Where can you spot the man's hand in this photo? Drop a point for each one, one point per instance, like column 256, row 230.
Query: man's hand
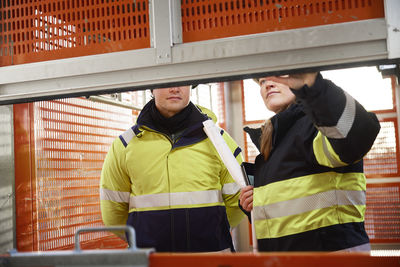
column 295, row 81
column 246, row 198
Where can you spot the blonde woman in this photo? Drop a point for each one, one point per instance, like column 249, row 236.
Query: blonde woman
column 309, row 187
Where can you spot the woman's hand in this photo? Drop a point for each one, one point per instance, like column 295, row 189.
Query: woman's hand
column 296, row 81
column 246, row 198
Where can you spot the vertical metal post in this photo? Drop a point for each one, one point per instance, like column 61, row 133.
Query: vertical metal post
column 234, row 126
column 392, row 8
column 161, row 29
column 397, row 105
column 176, row 21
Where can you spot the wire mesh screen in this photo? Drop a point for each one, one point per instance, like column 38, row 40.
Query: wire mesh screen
column 32, row 31
column 383, row 158
column 383, row 213
column 205, row 20
column 72, row 137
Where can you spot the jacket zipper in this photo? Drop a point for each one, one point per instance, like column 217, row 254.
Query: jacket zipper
column 173, row 141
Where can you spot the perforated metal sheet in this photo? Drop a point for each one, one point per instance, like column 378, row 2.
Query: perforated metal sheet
column 205, row 20
column 32, row 31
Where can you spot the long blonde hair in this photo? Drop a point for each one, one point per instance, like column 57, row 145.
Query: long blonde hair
column 266, row 139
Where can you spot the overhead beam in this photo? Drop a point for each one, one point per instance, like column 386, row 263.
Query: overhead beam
column 227, row 58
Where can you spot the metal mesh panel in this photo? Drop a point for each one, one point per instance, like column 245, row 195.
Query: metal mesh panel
column 32, row 31
column 383, row 158
column 383, row 213
column 205, row 20
column 71, row 139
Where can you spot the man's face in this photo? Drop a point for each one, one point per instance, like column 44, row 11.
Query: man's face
column 170, row 101
column 276, row 96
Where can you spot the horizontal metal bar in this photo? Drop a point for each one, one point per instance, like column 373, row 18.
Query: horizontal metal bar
column 217, row 60
column 126, row 228
column 383, row 180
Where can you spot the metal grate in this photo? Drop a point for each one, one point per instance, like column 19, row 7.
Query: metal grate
column 383, row 158
column 32, row 31
column 382, row 216
column 71, row 139
column 205, row 20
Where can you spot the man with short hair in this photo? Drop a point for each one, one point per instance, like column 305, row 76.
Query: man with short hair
column 164, row 177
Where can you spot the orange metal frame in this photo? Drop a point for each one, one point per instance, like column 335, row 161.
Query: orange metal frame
column 25, row 186
column 32, row 31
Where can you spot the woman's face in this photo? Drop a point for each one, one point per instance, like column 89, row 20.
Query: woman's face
column 276, row 96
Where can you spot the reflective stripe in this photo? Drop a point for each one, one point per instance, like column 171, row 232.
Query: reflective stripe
column 309, row 185
column 309, row 203
column 215, row 252
column 175, row 199
column 345, row 122
column 324, row 152
column 230, row 189
column 127, row 136
column 364, row 247
column 328, row 154
column 307, row 221
column 117, row 196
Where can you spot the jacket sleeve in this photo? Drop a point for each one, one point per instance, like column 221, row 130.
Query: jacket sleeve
column 230, row 190
column 346, row 131
column 114, row 187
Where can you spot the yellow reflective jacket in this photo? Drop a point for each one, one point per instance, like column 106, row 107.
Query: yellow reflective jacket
column 310, row 193
column 177, row 194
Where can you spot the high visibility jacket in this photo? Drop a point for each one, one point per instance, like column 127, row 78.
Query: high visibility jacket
column 177, row 194
column 310, row 194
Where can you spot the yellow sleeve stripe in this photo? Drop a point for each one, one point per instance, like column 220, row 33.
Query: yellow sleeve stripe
column 324, row 152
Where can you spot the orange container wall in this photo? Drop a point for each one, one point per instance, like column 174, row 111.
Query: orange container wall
column 205, row 20
column 32, row 31
column 60, row 147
